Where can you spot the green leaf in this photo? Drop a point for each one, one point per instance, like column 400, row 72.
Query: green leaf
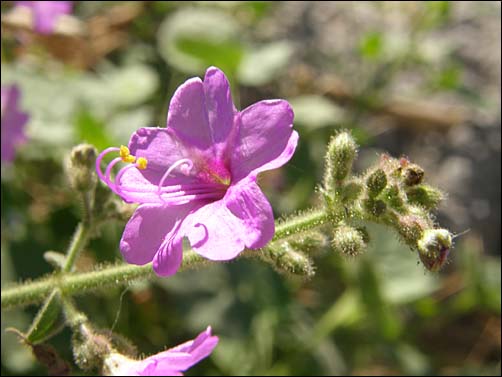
column 91, row 129
column 316, row 111
column 48, row 320
column 371, row 45
column 194, row 38
column 262, row 64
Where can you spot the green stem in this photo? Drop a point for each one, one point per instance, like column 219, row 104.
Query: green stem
column 300, row 223
column 78, row 283
column 72, row 284
column 78, row 242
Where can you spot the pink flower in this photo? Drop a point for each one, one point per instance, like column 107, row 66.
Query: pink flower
column 46, row 13
column 13, row 122
column 168, row 363
column 197, row 177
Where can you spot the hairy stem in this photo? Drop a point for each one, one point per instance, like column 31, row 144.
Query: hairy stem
column 78, row 242
column 72, row 284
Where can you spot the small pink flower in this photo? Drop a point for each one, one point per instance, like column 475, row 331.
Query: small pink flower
column 46, row 13
column 13, row 122
column 168, row 363
column 197, row 177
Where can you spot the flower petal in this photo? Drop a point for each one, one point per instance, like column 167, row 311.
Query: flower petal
column 265, row 139
column 146, row 230
column 219, row 105
column 13, row 122
column 182, row 357
column 159, row 146
column 214, row 232
column 248, row 203
column 168, row 259
column 187, row 115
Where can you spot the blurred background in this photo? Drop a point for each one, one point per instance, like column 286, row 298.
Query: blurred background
column 420, row 79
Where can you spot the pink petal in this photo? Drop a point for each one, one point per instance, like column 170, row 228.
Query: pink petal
column 219, row 105
column 202, row 113
column 187, row 115
column 248, row 203
column 214, row 232
column 265, row 139
column 182, row 357
column 13, row 122
column 168, row 259
column 46, row 13
column 146, row 230
column 159, row 146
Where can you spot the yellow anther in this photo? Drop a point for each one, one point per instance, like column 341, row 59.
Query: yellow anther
column 141, row 163
column 126, row 155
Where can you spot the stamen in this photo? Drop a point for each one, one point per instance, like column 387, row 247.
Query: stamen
column 141, row 163
column 100, row 158
column 125, row 155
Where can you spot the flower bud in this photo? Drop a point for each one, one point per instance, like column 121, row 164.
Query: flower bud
column 310, row 242
column 89, row 347
column 342, row 150
column 349, row 241
column 374, row 207
column 393, row 197
column 434, row 247
column 351, row 191
column 424, row 195
column 80, row 167
column 411, row 228
column 285, row 258
column 412, row 174
column 376, row 182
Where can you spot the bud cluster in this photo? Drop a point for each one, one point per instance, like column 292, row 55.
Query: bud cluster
column 392, row 193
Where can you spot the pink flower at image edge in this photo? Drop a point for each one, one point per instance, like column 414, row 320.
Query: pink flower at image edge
column 197, row 177
column 167, row 363
column 13, row 122
column 46, row 13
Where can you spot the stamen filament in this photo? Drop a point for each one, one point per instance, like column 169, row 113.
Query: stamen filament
column 169, row 171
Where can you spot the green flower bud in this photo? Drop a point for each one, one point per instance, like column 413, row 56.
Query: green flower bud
column 285, row 258
column 393, row 197
column 424, row 195
column 374, row 207
column 80, row 167
column 311, row 242
column 349, row 241
column 411, row 228
column 376, row 182
column 342, row 150
column 434, row 247
column 351, row 191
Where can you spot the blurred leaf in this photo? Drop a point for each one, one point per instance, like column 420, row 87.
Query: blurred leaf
column 262, row 64
column 224, row 55
column 91, row 129
column 402, row 279
column 194, row 38
column 345, row 311
column 316, row 111
column 412, row 360
column 130, row 85
column 371, row 45
column 121, row 125
column 379, row 311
